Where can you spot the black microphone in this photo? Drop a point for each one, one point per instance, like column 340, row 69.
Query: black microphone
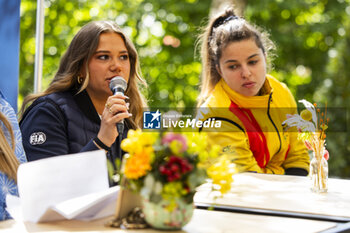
column 118, row 85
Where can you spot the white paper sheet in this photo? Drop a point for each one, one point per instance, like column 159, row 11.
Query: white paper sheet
column 64, row 187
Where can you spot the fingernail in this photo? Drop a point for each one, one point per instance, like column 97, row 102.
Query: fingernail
column 127, row 97
column 127, row 105
column 130, row 114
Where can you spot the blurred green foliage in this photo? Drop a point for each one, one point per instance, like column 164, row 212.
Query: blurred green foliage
column 313, row 59
column 163, row 32
column 312, row 39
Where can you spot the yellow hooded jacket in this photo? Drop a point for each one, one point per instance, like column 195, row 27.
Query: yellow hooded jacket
column 251, row 132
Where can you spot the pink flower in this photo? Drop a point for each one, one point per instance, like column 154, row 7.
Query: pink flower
column 326, row 154
column 169, row 137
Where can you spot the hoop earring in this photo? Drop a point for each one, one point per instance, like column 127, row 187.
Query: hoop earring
column 80, row 79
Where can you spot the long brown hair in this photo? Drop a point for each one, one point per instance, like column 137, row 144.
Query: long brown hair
column 220, row 31
column 8, row 161
column 79, row 52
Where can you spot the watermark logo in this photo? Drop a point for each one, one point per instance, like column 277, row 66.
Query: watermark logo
column 152, row 120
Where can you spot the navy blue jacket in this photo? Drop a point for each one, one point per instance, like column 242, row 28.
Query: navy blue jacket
column 62, row 123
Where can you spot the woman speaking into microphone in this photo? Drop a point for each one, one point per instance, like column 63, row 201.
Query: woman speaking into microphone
column 78, row 111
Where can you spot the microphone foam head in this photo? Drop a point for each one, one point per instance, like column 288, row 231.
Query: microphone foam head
column 118, row 82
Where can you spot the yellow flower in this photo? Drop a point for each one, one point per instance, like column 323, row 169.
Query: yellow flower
column 147, row 138
column 141, row 154
column 324, row 127
column 175, row 146
column 173, row 190
column 139, row 164
column 221, row 174
column 197, row 142
column 137, row 140
column 306, row 115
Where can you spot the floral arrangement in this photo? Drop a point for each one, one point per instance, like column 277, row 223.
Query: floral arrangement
column 312, row 125
column 172, row 165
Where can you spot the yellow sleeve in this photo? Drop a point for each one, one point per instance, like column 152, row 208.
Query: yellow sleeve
column 298, row 156
column 235, row 145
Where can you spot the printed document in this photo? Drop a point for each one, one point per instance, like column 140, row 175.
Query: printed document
column 64, row 187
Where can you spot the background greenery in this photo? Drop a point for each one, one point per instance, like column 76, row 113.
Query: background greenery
column 312, row 38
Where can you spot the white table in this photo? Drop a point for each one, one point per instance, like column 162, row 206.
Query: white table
column 256, row 203
column 280, row 194
column 203, row 221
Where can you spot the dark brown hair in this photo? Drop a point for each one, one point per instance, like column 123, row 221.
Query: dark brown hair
column 76, row 59
column 222, row 30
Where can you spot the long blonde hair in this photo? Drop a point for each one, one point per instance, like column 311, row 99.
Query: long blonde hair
column 220, row 31
column 8, row 161
column 79, row 52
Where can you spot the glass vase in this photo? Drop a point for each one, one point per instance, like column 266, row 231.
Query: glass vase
column 167, row 214
column 319, row 174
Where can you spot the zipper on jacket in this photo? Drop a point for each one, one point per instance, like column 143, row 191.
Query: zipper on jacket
column 268, row 114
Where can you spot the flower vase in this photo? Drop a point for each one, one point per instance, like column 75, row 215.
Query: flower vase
column 319, row 174
column 167, row 214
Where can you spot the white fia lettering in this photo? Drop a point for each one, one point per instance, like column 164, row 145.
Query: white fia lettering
column 37, row 138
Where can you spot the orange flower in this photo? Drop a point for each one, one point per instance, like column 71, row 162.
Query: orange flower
column 138, row 164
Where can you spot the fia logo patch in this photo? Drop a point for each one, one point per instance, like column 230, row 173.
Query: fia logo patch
column 37, row 138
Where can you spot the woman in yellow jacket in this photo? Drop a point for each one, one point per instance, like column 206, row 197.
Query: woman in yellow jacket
column 250, row 104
